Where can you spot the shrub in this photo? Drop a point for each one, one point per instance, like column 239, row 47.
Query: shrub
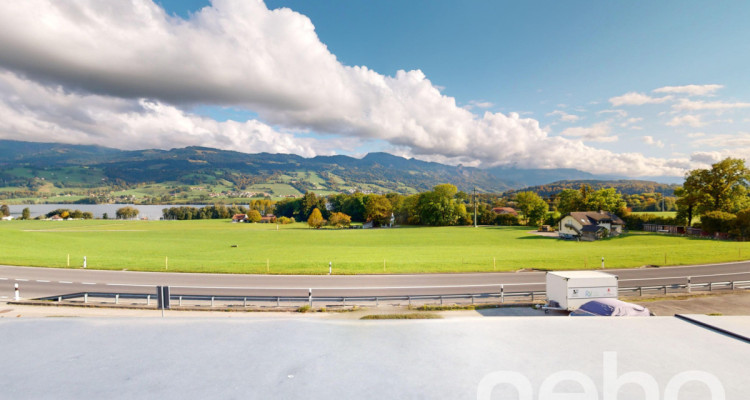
column 254, row 216
column 339, row 220
column 507, row 219
column 718, row 221
column 285, row 220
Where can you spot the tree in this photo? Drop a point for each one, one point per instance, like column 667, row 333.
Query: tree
column 126, row 213
column 378, row 210
column 724, row 185
column 439, row 206
column 26, row 213
column 568, row 201
column 4, row 210
column 309, row 202
column 339, row 220
column 533, row 207
column 106, row 216
column 254, row 216
column 605, row 200
column 689, row 197
column 316, row 219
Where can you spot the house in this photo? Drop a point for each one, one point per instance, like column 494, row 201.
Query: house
column 7, row 218
column 56, row 218
column 504, row 210
column 239, row 217
column 590, row 225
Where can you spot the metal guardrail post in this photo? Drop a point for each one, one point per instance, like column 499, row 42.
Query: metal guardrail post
column 59, row 299
column 376, row 302
column 409, row 297
column 472, row 299
column 244, row 302
column 665, row 289
column 640, row 291
column 532, row 297
column 117, row 298
column 85, row 297
column 148, row 300
column 180, row 301
column 732, row 284
column 212, row 301
column 441, row 300
column 278, row 301
column 710, row 286
column 689, row 285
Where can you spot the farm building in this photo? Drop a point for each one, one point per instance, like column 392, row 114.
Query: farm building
column 239, row 217
column 590, row 225
column 504, row 210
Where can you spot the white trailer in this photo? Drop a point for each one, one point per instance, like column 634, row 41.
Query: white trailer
column 568, row 290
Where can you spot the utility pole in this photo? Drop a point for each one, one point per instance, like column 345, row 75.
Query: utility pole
column 475, row 206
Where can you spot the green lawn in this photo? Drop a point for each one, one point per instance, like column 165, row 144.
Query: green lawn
column 206, row 246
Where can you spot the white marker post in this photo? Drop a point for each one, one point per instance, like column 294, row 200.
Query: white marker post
column 17, row 295
column 602, row 262
column 309, row 296
column 330, row 267
column 84, row 261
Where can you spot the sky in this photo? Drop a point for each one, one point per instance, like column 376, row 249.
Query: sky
column 639, row 89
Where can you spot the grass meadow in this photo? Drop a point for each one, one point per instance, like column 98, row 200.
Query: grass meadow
column 208, row 246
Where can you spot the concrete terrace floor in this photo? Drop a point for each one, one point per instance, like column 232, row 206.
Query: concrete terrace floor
column 284, row 357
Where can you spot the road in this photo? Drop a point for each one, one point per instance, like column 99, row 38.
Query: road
column 40, row 282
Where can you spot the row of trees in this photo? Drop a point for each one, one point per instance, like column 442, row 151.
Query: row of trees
column 722, row 188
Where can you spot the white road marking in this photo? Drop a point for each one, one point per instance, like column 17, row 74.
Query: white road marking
column 88, row 283
column 125, row 284
column 42, row 280
column 22, row 280
column 3, row 279
column 63, row 282
column 3, row 297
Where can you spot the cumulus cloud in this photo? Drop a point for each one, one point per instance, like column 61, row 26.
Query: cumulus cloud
column 30, row 111
column 565, row 117
column 691, row 90
column 649, row 140
column 135, row 68
column 598, row 132
column 691, row 120
column 636, row 99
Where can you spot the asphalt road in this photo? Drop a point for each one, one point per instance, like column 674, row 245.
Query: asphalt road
column 40, row 282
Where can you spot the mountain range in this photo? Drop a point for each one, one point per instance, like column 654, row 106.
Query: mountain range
column 66, row 165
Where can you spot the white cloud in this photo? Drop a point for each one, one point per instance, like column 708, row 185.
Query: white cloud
column 649, row 140
column 691, row 120
column 630, row 122
column 733, row 141
column 120, row 73
column 636, row 99
column 620, row 113
column 691, row 90
column 691, row 105
column 696, row 134
column 565, row 117
column 30, row 111
column 478, row 104
column 595, row 133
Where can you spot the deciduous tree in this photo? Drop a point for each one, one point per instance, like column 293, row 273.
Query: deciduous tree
column 316, row 219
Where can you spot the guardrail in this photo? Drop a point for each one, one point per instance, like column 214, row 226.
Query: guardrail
column 183, row 300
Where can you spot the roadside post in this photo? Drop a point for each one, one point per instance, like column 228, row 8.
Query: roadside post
column 84, row 261
column 502, row 293
column 689, row 286
column 162, row 298
column 309, row 296
column 17, row 294
column 330, row 267
column 602, row 262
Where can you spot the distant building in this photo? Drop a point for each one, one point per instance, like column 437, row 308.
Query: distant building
column 239, row 217
column 590, row 225
column 268, row 219
column 504, row 211
column 7, row 218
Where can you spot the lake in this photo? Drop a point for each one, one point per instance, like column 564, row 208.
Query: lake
column 152, row 212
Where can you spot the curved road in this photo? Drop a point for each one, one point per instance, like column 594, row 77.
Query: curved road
column 40, row 282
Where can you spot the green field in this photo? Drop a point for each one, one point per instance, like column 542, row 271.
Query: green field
column 207, row 246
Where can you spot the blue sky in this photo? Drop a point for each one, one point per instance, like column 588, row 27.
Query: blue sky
column 637, row 89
